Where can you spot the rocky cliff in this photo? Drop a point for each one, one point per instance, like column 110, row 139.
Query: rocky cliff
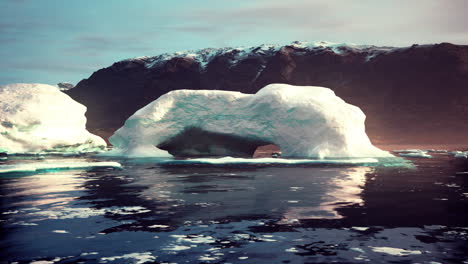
column 416, row 94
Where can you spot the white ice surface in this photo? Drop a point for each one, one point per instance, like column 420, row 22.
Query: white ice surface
column 35, row 167
column 360, row 228
column 137, row 257
column 39, row 118
column 304, row 121
column 395, row 251
column 158, row 226
column 60, row 231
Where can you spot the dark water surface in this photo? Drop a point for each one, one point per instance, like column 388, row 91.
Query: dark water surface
column 150, row 213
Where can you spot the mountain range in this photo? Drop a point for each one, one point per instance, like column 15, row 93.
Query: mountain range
column 416, row 94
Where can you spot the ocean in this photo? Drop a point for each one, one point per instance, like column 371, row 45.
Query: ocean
column 167, row 212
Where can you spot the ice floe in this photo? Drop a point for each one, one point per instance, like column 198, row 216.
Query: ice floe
column 139, row 258
column 414, row 153
column 60, row 231
column 395, row 251
column 158, row 226
column 459, row 154
column 360, row 228
column 231, row 160
column 50, row 166
column 41, row 262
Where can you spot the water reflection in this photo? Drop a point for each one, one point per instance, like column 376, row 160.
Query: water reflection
column 344, row 189
column 180, row 194
column 175, row 195
column 203, row 213
column 52, row 189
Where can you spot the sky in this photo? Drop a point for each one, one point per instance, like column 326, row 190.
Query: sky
column 51, row 41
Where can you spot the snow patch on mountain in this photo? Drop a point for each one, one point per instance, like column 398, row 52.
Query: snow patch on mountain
column 205, row 56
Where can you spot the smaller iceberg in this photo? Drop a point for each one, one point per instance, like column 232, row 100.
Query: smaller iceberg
column 46, row 166
column 39, row 118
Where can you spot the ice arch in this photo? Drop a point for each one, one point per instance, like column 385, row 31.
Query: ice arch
column 304, row 121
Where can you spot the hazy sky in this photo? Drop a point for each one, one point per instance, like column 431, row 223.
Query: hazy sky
column 48, row 41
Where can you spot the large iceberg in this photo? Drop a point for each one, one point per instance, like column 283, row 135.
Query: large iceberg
column 304, row 121
column 40, row 118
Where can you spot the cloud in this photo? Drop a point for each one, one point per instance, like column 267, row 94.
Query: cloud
column 21, row 30
column 7, row 40
column 397, row 21
column 96, row 45
column 271, row 14
column 203, row 29
column 72, row 38
column 47, row 66
column 446, row 16
column 5, row 26
column 18, row 27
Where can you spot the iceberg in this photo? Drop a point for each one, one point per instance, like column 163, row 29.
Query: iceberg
column 45, row 166
column 37, row 118
column 304, row 121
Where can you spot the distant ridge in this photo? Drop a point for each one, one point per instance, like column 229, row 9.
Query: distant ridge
column 409, row 94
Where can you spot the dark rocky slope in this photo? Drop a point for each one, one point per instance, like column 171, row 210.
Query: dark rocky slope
column 417, row 94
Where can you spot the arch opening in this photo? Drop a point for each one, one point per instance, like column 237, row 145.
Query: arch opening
column 196, row 142
column 267, row 151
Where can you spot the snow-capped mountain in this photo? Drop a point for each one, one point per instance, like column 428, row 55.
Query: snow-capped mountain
column 419, row 91
column 235, row 55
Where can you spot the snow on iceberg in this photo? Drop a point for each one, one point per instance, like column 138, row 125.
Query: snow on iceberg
column 304, row 121
column 44, row 166
column 39, row 118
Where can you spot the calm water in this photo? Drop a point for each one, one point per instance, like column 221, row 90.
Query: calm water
column 150, row 213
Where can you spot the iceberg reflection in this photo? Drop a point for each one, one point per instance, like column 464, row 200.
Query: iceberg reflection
column 343, row 190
